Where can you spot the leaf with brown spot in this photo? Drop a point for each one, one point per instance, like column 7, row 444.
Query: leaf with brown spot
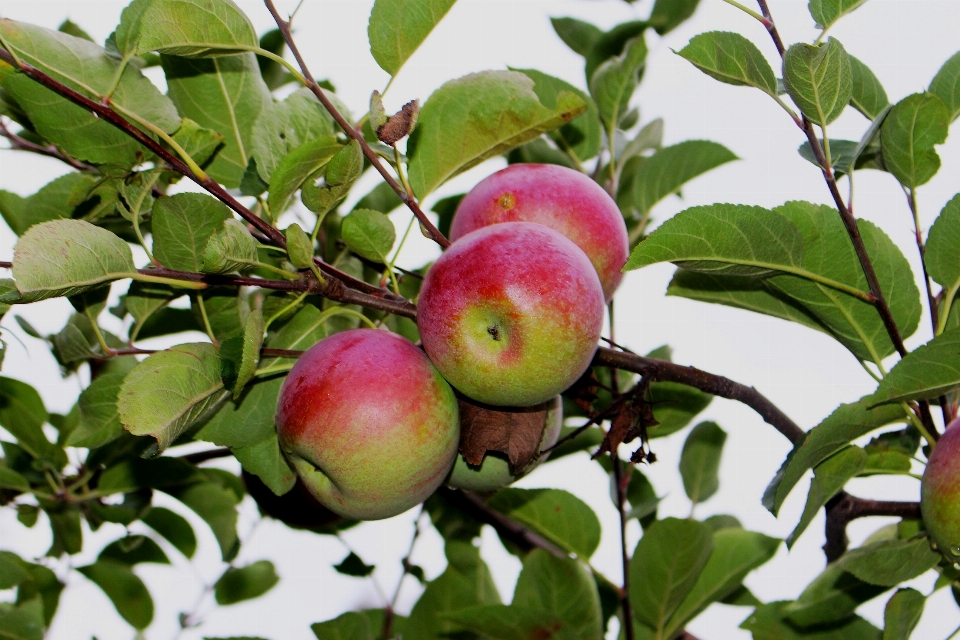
column 515, row 432
column 399, row 124
column 630, row 422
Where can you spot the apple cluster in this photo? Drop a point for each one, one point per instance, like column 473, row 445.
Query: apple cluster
column 509, row 316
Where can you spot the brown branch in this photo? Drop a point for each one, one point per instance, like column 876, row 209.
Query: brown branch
column 176, row 164
column 850, row 223
column 6, row 265
column 331, row 288
column 661, row 370
column 18, row 143
column 351, row 131
column 621, row 479
column 843, row 508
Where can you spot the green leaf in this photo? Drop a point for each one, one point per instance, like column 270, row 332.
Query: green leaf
column 229, row 248
column 501, row 622
column 85, row 67
column 613, row 83
column 86, row 256
column 844, row 155
column 700, row 461
column 226, row 309
column 830, row 261
column 66, row 530
column 847, row 423
column 58, row 199
column 831, row 597
column 245, row 583
column 217, row 506
column 726, row 239
column 295, row 168
column 10, row 479
column 769, row 623
column 926, row 372
column 353, row 565
column 868, row 96
column 736, row 552
column 169, row 391
column 946, row 85
column 670, row 168
column 284, row 126
column 398, row 27
column 940, row 255
column 908, row 135
column 265, row 460
column 478, row 116
column 465, row 582
column 44, row 586
column 248, row 420
column 127, row 592
column 23, row 621
column 751, row 294
column 369, row 233
column 889, row 562
column 174, row 528
column 819, row 79
column 226, row 95
column 23, row 415
column 829, row 477
column 665, row 566
column 192, row 28
column 556, row 514
column 611, row 44
column 182, row 226
column 731, row 58
column 299, row 247
column 249, row 356
column 99, row 419
column 582, row 134
column 560, row 588
column 576, row 34
column 134, row 549
column 12, row 573
column 341, row 172
column 143, row 299
column 668, row 14
column 133, row 474
column 199, row 143
column 675, row 406
column 826, row 12
column 902, row 613
column 348, row 626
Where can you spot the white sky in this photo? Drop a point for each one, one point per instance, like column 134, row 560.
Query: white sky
column 803, row 372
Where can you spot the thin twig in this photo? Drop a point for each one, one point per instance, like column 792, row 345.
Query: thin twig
column 351, row 131
column 389, row 610
column 203, row 456
column 620, row 479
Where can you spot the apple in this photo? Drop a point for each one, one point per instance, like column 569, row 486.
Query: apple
column 511, row 314
column 494, row 472
column 560, row 198
column 369, row 425
column 940, row 492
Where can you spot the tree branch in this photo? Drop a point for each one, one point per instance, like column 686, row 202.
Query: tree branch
column 621, row 479
column 176, row 164
column 370, row 154
column 850, row 223
column 331, row 288
column 661, row 370
column 843, row 508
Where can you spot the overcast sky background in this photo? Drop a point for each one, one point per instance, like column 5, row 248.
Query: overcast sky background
column 805, row 373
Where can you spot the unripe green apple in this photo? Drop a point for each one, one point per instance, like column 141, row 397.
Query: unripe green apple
column 368, row 423
column 494, row 471
column 940, row 492
column 564, row 200
column 511, row 314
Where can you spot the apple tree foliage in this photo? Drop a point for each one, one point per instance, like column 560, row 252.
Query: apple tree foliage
column 229, row 262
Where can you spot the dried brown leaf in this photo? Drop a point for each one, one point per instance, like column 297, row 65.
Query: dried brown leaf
column 399, row 124
column 515, row 432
